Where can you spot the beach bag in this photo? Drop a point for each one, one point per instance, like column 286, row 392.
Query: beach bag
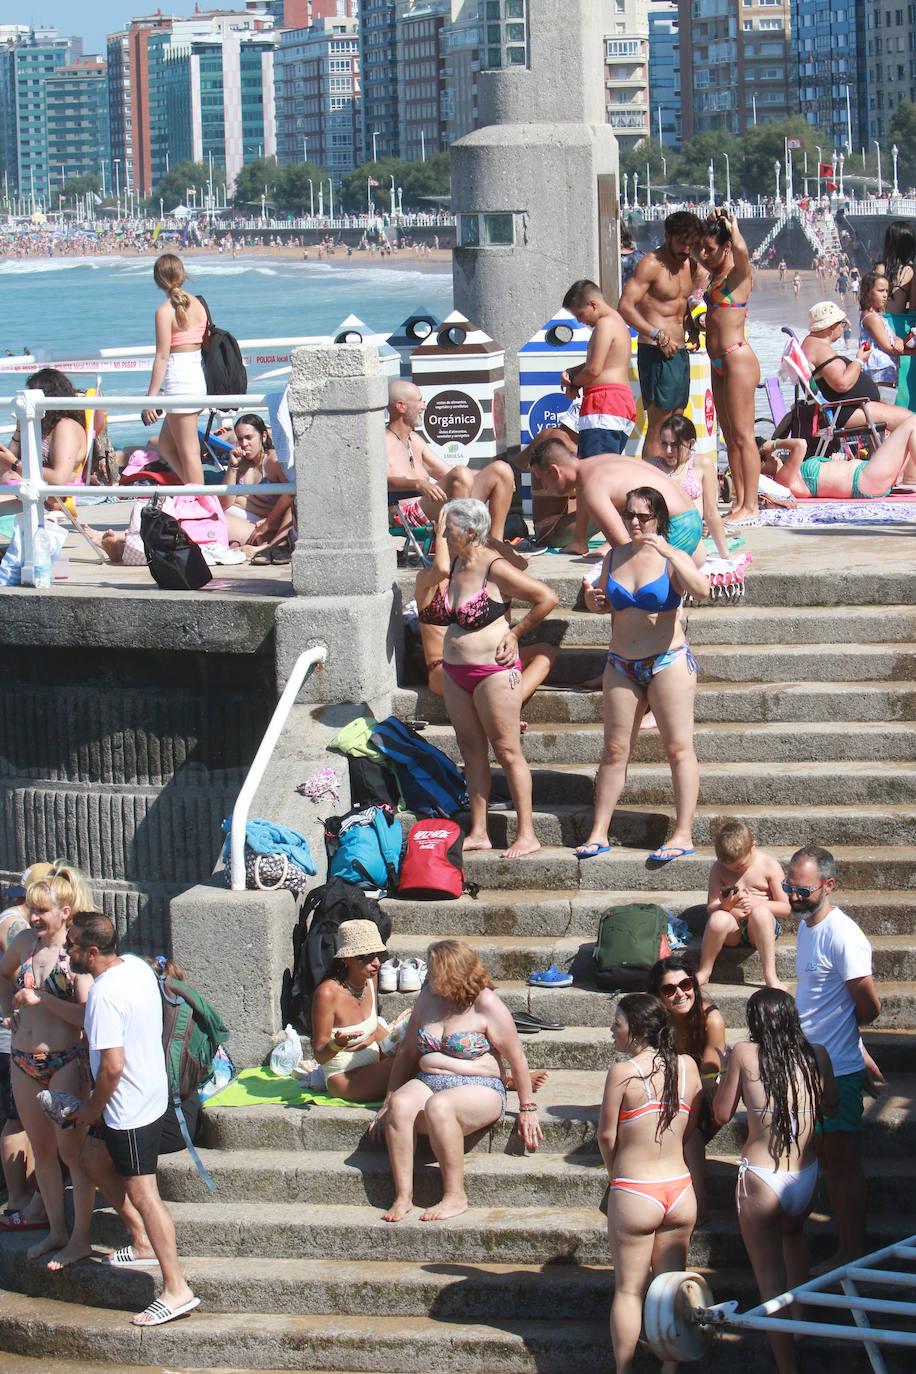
column 364, row 847
column 315, row 941
column 630, row 940
column 176, row 564
column 432, row 868
column 430, row 783
column 192, row 1032
column 222, row 360
column 371, row 784
column 202, row 518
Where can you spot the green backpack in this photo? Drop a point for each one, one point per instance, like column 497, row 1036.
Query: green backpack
column 192, row 1032
column 630, row 940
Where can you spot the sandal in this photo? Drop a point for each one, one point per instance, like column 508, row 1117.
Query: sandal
column 261, row 558
column 282, row 552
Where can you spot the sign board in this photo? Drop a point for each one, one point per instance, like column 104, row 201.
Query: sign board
column 452, row 417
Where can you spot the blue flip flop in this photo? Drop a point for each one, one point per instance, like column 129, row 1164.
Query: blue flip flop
column 592, row 850
column 551, row 978
column 675, row 852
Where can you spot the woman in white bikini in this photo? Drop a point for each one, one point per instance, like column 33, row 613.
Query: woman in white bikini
column 650, row 1107
column 786, row 1085
column 346, row 1030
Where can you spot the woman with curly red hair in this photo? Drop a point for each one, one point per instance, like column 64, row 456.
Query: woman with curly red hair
column 457, row 1034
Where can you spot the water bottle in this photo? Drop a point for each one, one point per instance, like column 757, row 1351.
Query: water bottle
column 41, row 558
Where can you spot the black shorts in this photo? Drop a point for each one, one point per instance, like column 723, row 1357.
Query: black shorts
column 133, row 1152
column 7, row 1105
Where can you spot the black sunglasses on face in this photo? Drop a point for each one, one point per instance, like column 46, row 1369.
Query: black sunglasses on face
column 670, row 989
column 803, row 892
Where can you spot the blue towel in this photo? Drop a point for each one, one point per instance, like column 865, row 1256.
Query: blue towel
column 266, row 837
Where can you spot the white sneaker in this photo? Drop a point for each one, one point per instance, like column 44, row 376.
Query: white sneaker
column 412, row 975
column 219, row 554
column 388, row 975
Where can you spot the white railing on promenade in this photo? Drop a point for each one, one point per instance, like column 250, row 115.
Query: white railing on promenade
column 307, row 660
column 255, row 353
column 29, row 406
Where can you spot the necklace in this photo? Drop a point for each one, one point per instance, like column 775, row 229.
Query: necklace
column 357, row 995
column 405, row 442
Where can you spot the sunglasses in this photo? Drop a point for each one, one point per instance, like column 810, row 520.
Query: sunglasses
column 669, row 989
column 803, row 892
column 642, row 519
column 367, row 958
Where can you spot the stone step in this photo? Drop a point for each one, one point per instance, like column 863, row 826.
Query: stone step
column 737, row 624
column 735, row 784
column 568, row 1107
column 363, row 1177
column 837, row 663
column 510, row 958
column 757, row 702
column 646, row 827
column 531, row 912
column 803, row 742
column 875, row 866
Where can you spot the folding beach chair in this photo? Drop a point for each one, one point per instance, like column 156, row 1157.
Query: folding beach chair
column 406, row 517
column 813, row 418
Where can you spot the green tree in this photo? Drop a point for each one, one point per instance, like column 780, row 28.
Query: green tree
column 765, row 144
column 902, row 132
column 293, row 195
column 419, row 181
column 260, row 177
column 78, row 186
column 172, row 190
column 692, row 168
column 647, row 150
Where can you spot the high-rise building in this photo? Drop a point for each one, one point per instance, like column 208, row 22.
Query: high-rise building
column 379, row 77
column 626, row 69
column 735, row 64
column 77, row 121
column 664, row 74
column 460, row 45
column 421, row 77
column 833, row 44
column 317, row 84
column 26, row 61
column 129, row 102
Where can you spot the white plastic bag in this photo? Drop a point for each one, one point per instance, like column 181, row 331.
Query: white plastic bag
column 285, row 1056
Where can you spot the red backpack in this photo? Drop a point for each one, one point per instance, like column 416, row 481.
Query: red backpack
column 432, row 867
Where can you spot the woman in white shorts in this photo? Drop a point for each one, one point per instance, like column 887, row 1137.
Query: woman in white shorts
column 181, row 323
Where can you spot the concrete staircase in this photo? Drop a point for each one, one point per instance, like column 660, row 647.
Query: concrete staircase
column 804, row 730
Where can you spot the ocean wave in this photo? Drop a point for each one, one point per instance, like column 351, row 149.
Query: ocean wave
column 26, row 267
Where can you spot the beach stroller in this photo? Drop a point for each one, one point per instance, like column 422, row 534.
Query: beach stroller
column 813, row 418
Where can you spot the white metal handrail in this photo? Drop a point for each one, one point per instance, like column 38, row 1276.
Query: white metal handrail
column 308, row 659
column 30, row 405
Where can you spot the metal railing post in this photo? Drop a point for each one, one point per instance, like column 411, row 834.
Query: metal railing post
column 28, row 407
column 306, row 661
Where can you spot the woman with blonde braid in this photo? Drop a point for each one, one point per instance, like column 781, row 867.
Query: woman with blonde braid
column 181, row 323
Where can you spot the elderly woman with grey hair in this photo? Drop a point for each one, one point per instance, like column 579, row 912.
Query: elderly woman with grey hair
column 482, row 676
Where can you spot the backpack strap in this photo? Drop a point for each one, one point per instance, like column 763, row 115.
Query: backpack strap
column 186, row 1135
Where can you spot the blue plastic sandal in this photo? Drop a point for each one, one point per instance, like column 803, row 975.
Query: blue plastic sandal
column 552, row 978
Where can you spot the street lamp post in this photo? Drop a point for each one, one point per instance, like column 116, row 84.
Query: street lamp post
column 894, row 152
column 635, row 188
column 311, row 198
column 777, row 168
column 626, row 190
column 880, row 183
column 712, row 185
column 330, row 198
column 375, row 134
column 305, row 150
column 648, row 187
column 842, row 162
column 728, row 180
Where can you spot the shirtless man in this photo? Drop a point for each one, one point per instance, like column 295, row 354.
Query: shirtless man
column 414, row 467
column 603, row 483
column 654, row 303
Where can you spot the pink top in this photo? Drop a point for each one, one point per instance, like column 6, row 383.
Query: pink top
column 193, row 335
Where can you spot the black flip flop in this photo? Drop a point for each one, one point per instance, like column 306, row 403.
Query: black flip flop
column 533, row 1022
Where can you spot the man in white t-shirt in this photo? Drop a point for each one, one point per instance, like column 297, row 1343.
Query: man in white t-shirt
column 835, row 995
column 128, row 1103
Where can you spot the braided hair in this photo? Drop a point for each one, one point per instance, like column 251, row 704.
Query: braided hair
column 785, row 1059
column 169, row 276
column 648, row 1020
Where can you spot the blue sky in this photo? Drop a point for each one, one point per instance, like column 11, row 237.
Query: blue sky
column 93, row 20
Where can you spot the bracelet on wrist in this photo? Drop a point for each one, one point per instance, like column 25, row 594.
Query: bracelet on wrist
column 655, row 332
column 528, row 1106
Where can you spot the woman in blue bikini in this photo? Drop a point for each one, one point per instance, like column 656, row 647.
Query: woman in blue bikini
column 786, row 1084
column 457, row 1035
column 649, row 664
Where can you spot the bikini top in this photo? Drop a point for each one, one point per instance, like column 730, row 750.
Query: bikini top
column 60, row 981
column 652, row 598
column 479, row 610
column 691, row 484
column 365, row 1027
column 717, row 298
column 460, row 1044
column 652, row 1106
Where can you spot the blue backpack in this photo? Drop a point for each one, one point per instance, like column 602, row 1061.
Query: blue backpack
column 430, row 783
column 364, row 847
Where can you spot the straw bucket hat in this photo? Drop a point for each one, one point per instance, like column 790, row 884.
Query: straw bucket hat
column 359, row 937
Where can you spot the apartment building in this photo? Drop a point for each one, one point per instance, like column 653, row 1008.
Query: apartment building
column 736, row 64
column 317, row 85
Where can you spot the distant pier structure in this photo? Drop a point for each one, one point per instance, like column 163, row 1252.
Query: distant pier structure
column 534, row 188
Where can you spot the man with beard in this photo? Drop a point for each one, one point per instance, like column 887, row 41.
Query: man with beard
column 654, row 303
column 835, row 995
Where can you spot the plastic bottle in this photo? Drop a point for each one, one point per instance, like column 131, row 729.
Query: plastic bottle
column 41, row 558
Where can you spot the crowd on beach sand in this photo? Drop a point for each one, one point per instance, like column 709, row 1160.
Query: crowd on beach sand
column 66, row 992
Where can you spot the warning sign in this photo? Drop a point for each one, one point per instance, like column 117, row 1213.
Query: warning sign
column 452, row 417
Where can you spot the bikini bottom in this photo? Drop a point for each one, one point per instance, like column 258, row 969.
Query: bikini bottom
column 667, row 1192
column 643, row 670
column 793, row 1190
column 439, row 1082
column 718, row 364
column 42, row 1065
column 467, row 676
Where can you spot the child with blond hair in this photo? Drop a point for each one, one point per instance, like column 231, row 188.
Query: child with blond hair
column 745, row 902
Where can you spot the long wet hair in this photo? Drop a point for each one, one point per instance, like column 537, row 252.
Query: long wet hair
column 786, row 1060
column 169, row 275
column 648, row 1020
column 54, row 383
column 695, row 1020
column 899, row 250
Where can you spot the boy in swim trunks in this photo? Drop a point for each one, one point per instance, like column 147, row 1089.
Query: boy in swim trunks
column 745, row 902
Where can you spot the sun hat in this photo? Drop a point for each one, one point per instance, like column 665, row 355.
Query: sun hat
column 824, row 314
column 32, row 875
column 359, row 937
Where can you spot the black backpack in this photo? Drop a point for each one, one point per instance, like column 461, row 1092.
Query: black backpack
column 315, row 942
column 222, row 358
column 175, row 561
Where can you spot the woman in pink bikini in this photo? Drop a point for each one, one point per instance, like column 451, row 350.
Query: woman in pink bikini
column 651, row 1105
column 695, row 473
column 786, row 1084
column 181, row 323
column 482, row 673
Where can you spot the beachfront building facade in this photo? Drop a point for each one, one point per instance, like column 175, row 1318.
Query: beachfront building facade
column 129, row 103
column 27, row 60
column 626, row 70
column 832, row 43
column 889, row 70
column 379, row 77
column 736, row 64
column 317, row 93
column 664, row 73
column 77, row 121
